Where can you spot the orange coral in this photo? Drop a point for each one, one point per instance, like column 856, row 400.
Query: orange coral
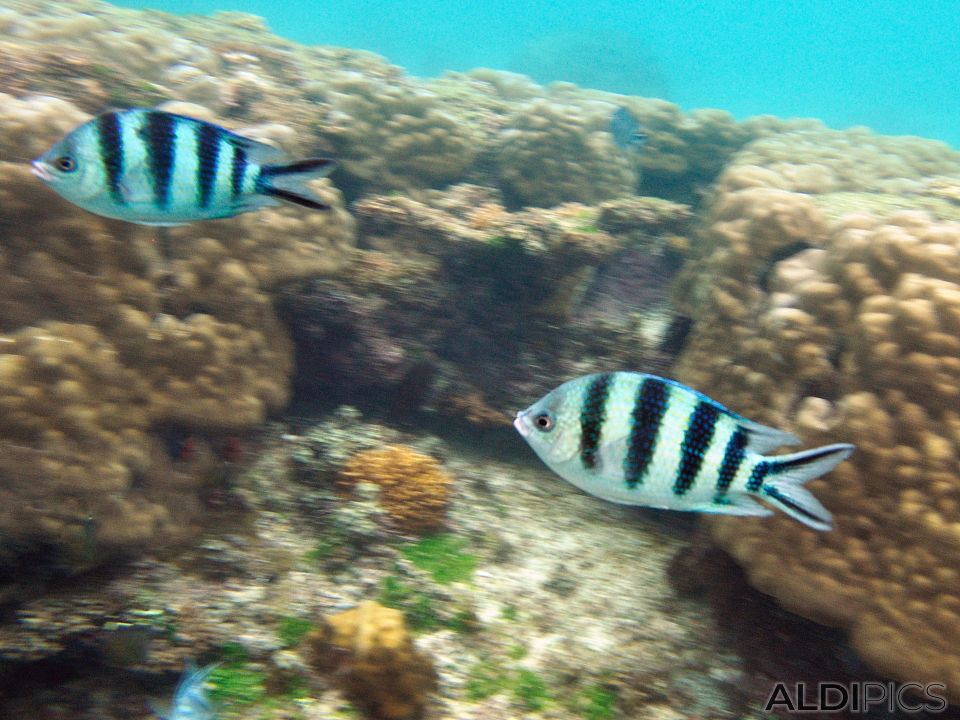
column 414, row 489
column 375, row 661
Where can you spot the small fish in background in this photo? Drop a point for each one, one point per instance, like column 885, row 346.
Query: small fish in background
column 156, row 168
column 190, row 700
column 639, row 439
column 125, row 644
column 627, row 132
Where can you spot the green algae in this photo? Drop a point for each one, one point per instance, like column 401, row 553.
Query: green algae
column 488, row 678
column 417, row 607
column 530, row 689
column 597, row 702
column 237, row 683
column 444, row 557
column 509, row 612
column 324, row 549
column 291, row 630
column 421, row 611
column 517, row 652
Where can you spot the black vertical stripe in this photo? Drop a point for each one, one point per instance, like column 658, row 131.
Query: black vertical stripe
column 110, row 139
column 238, row 171
column 160, row 133
column 696, row 440
column 208, row 158
column 732, row 459
column 592, row 414
column 759, row 474
column 649, row 407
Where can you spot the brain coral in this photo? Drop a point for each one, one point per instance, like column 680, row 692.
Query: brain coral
column 104, row 345
column 420, row 141
column 552, row 152
column 854, row 338
column 414, row 489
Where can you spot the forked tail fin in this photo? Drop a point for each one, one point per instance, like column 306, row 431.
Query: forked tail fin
column 288, row 182
column 783, row 485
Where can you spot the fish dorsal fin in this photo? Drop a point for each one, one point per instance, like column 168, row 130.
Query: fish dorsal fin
column 763, row 439
column 258, row 152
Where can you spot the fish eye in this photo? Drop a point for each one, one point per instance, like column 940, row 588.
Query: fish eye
column 65, row 163
column 543, row 422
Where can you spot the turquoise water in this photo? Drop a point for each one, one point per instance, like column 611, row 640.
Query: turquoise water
column 890, row 64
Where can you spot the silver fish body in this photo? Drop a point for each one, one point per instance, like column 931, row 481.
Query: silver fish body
column 190, row 700
column 156, row 168
column 639, row 439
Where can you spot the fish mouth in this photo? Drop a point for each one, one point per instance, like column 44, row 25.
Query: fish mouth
column 41, row 170
column 520, row 423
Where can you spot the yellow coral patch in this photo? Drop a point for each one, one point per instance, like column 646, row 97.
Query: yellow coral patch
column 414, row 488
column 376, row 663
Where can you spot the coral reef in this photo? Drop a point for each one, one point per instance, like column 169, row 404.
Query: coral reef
column 454, row 276
column 541, row 146
column 420, row 141
column 822, row 295
column 550, row 153
column 106, row 346
column 375, row 660
column 843, row 327
column 414, row 488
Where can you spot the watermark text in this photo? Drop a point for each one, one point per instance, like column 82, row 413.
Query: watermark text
column 857, row 697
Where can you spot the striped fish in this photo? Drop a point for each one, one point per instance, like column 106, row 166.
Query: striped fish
column 639, row 439
column 156, row 168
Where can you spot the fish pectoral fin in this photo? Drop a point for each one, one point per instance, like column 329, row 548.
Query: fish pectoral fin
column 734, row 505
column 136, row 187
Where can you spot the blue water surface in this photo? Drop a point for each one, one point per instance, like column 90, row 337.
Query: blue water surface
column 888, row 64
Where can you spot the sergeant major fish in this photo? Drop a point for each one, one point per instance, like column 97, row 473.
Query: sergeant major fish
column 639, row 439
column 190, row 700
column 157, row 168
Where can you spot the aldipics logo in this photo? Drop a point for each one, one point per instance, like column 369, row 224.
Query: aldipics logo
column 857, row 697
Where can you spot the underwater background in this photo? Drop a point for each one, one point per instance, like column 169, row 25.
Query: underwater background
column 278, row 447
column 887, row 64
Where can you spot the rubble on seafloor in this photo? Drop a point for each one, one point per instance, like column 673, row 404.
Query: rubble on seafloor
column 535, row 598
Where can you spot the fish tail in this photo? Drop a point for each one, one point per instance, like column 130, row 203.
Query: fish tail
column 288, row 182
column 785, row 476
